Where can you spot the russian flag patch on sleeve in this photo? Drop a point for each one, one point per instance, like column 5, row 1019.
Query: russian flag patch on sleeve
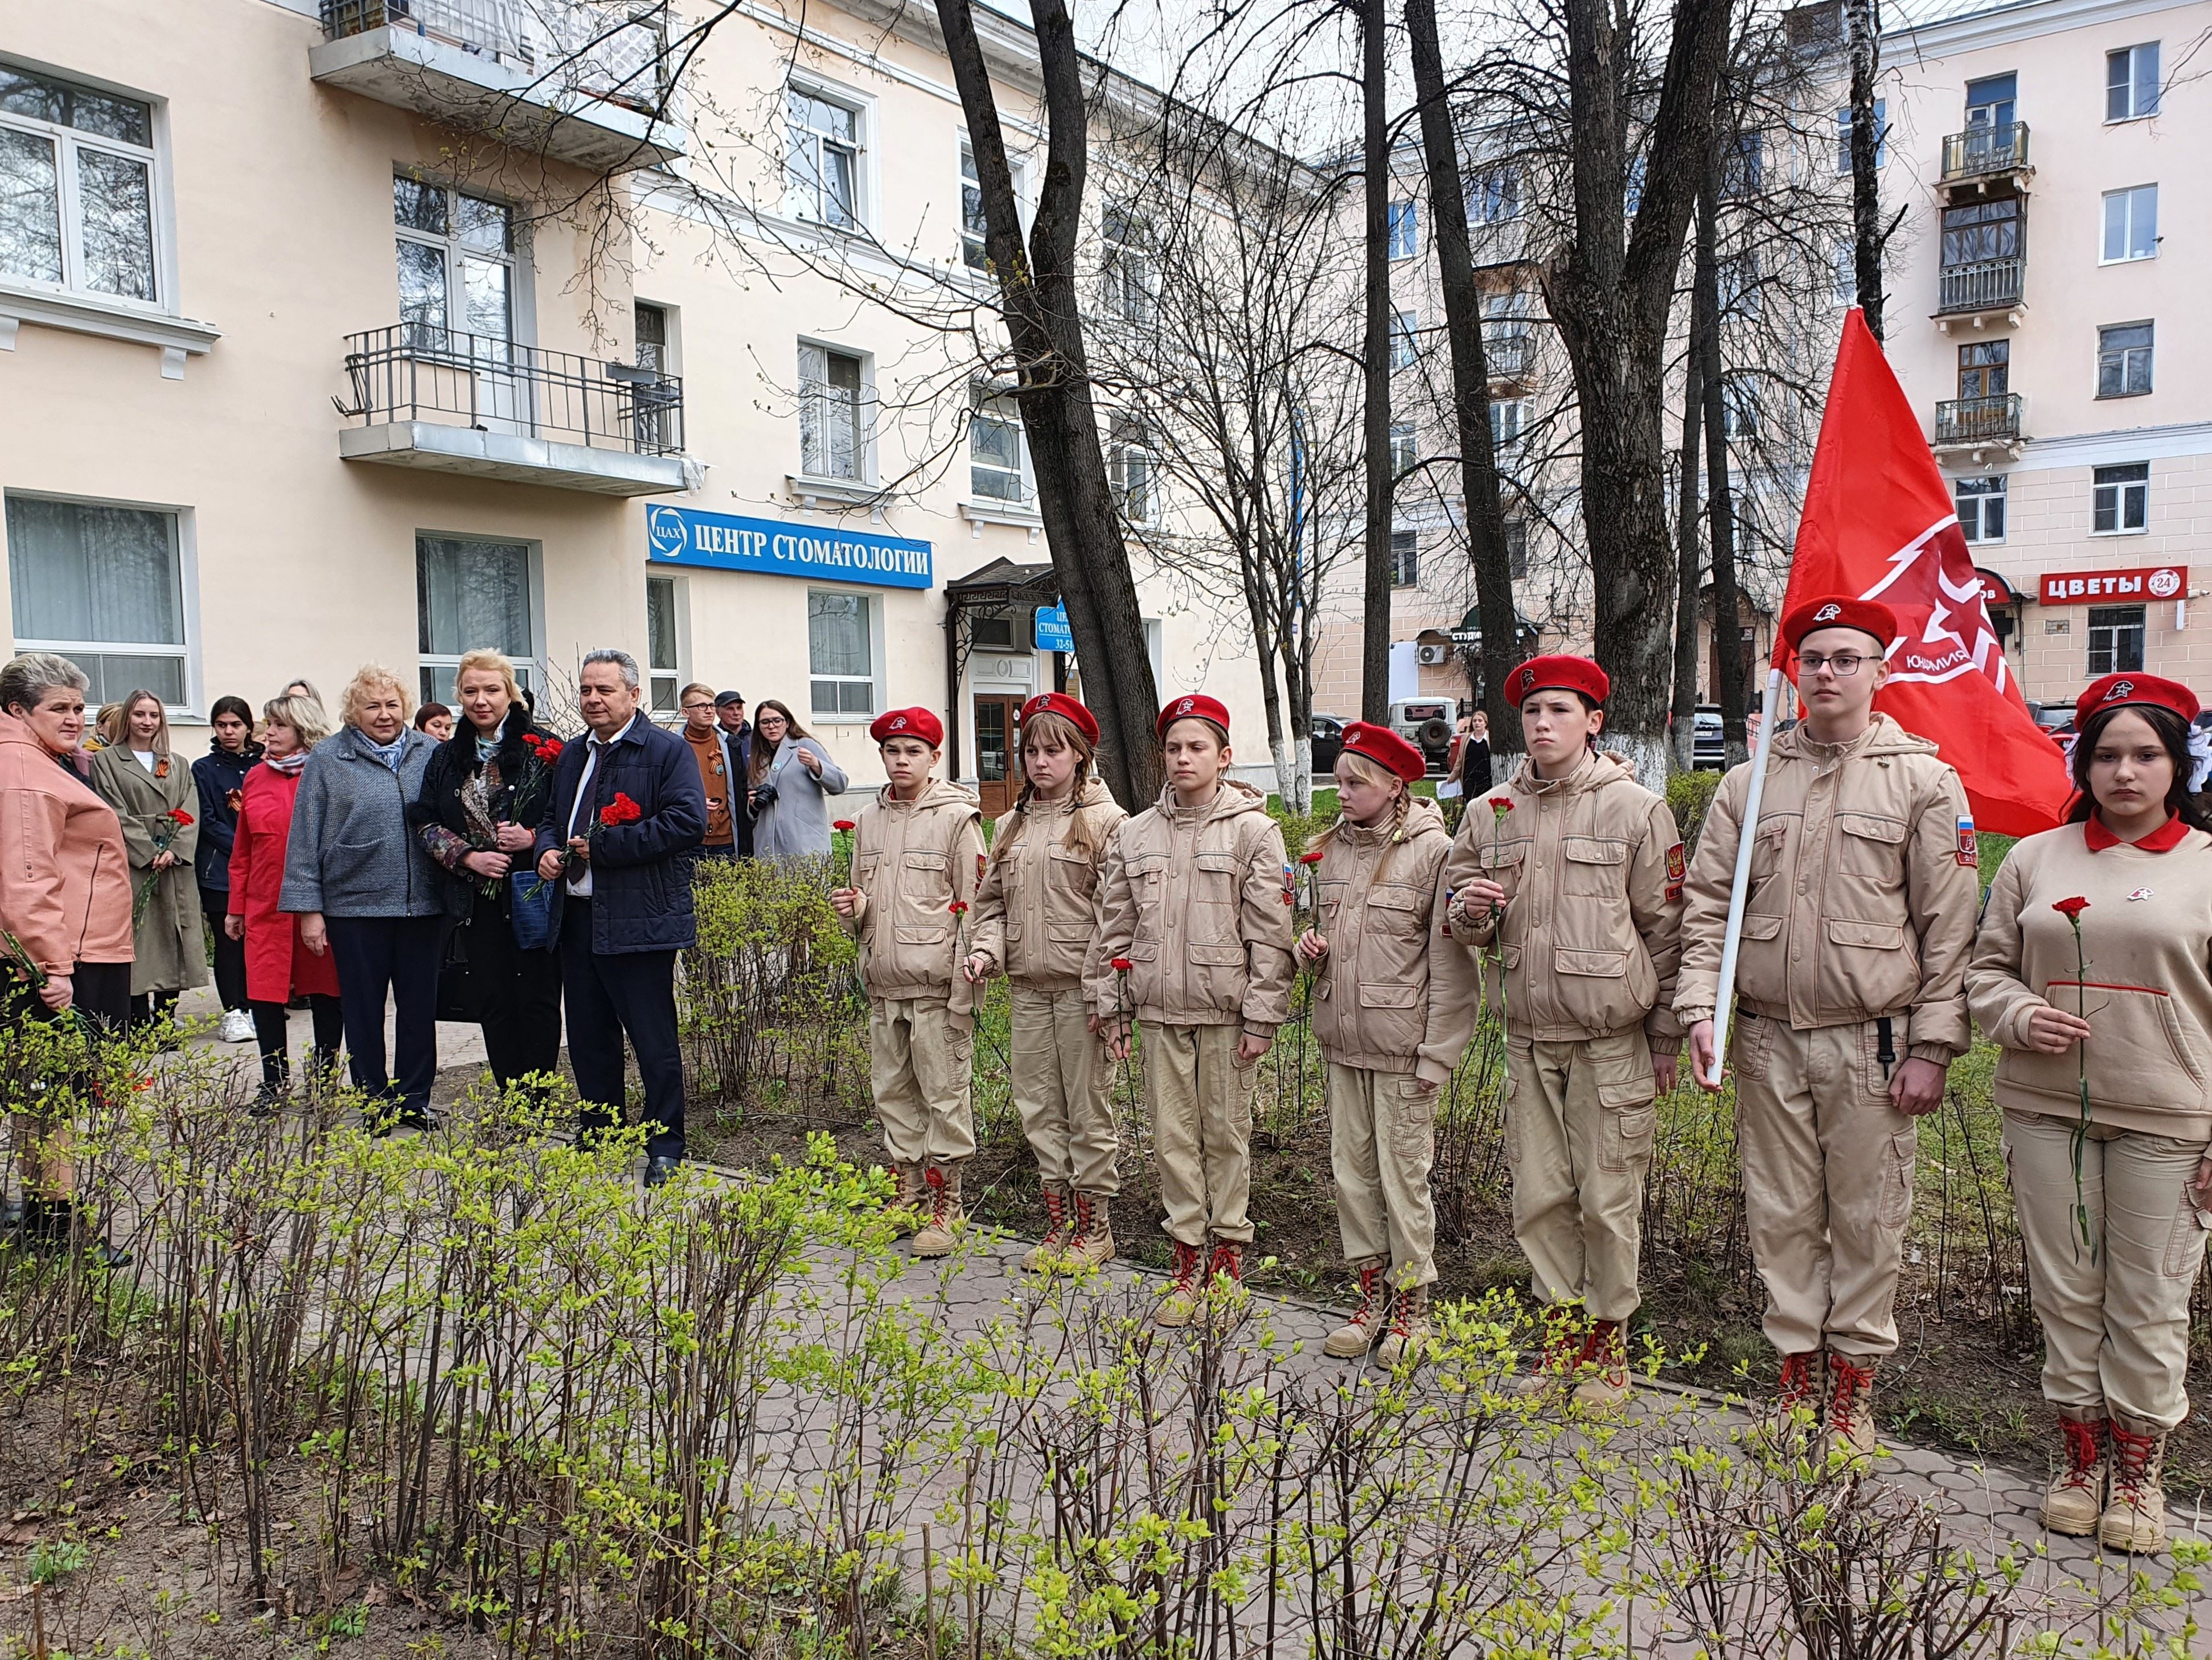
column 1969, row 851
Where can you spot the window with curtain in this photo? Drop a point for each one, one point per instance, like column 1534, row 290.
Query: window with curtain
column 663, row 674
column 76, row 188
column 997, row 458
column 841, row 658
column 471, row 595
column 832, row 427
column 456, row 254
column 2124, row 359
column 103, row 586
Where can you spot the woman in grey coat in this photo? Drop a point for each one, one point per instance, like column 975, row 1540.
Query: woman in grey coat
column 366, row 893
column 788, row 786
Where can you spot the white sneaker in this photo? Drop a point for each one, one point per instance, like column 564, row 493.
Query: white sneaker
column 237, row 1027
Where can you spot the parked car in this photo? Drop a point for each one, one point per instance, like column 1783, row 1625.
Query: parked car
column 1708, row 746
column 1327, row 734
column 1425, row 723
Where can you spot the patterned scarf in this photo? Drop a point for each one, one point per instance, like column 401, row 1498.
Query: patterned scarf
column 388, row 753
column 289, row 765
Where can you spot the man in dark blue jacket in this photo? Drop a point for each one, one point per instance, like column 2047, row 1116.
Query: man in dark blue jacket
column 622, row 901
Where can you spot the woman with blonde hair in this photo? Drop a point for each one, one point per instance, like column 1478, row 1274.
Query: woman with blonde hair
column 278, row 964
column 365, row 891
column 154, row 795
column 1036, row 919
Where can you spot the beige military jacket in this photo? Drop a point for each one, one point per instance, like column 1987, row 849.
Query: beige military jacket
column 1862, row 892
column 1036, row 913
column 1197, row 900
column 912, row 861
column 1392, row 994
column 1591, row 930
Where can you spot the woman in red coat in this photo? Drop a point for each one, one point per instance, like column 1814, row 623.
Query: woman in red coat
column 278, row 964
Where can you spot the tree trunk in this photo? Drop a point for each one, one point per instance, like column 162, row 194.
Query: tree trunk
column 1720, row 501
column 1041, row 309
column 1477, row 459
column 1374, row 654
column 1860, row 19
column 1683, row 733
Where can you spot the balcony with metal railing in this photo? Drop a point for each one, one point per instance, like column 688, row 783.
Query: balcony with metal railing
column 1981, row 286
column 422, row 395
column 1979, row 429
column 552, row 77
column 1982, row 155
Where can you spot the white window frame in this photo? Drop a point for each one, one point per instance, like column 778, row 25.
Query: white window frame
column 1405, row 448
column 510, row 398
column 1739, row 409
column 529, row 666
column 972, row 255
column 159, row 202
column 2138, row 109
column 796, row 194
column 1405, row 557
column 1880, row 136
column 864, row 423
column 1405, row 339
column 1129, row 438
column 2139, row 626
column 677, row 671
column 184, row 548
column 1128, row 265
column 2121, row 488
column 2130, row 202
column 1509, row 420
column 1000, row 410
column 871, row 606
column 2148, row 350
column 1974, row 526
column 1402, row 229
column 1494, row 194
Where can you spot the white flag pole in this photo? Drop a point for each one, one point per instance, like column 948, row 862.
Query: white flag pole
column 1740, row 892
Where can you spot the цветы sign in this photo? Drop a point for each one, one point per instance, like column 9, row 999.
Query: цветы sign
column 780, row 547
column 2096, row 587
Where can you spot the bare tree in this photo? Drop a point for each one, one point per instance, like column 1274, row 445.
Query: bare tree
column 1864, row 22
column 1375, row 165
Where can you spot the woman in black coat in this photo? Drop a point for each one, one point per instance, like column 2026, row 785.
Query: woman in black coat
column 482, row 795
column 219, row 776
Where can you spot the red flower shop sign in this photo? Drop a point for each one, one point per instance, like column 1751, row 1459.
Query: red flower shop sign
column 2094, row 587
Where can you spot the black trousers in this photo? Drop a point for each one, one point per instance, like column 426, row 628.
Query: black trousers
column 607, row 997
column 397, row 955
column 269, row 1030
column 229, row 953
column 521, row 993
column 101, row 995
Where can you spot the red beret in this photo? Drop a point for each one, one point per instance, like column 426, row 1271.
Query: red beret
column 908, row 723
column 1568, row 673
column 1196, row 707
column 2116, row 690
column 1840, row 610
column 1382, row 745
column 1059, row 703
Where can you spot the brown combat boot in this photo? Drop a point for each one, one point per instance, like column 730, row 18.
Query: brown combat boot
column 1408, row 1333
column 1224, row 1267
column 1803, row 1375
column 905, row 1209
column 2075, row 1501
column 1850, row 1430
column 1363, row 1329
column 940, row 1211
column 1183, row 1293
column 2135, row 1520
column 1604, row 1369
column 1091, row 1240
column 1045, row 1256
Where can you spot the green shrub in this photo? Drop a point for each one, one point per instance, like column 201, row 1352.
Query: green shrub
column 1691, row 795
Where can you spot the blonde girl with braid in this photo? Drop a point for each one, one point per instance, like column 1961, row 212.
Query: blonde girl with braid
column 1037, row 921
column 1392, row 1013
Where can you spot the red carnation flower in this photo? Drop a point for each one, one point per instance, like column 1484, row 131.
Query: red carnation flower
column 2071, row 909
column 842, row 825
column 620, row 811
column 1500, row 805
column 1121, row 965
column 1310, row 858
column 958, row 908
column 182, row 818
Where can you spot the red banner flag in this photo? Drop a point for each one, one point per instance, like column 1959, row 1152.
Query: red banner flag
column 1879, row 523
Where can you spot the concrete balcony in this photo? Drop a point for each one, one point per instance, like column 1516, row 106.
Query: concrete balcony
column 1984, row 159
column 444, row 401
column 1977, row 429
column 537, row 75
column 1980, row 293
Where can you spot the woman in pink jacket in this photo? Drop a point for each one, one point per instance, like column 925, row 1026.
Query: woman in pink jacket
column 65, row 903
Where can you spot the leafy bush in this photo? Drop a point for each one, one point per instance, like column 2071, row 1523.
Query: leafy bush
column 1691, row 796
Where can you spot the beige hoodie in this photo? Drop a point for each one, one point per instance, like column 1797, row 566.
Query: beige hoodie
column 1036, row 913
column 912, row 861
column 1592, row 868
column 1199, row 900
column 1394, row 994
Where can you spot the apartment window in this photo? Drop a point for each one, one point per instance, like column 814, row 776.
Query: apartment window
column 1405, row 559
column 656, row 404
column 841, row 654
column 973, row 226
column 456, row 268
column 2120, row 500
column 1131, row 469
column 1847, row 274
column 1743, row 169
column 469, row 595
column 1404, row 230
column 1132, row 285
column 1982, row 230
column 1992, row 101
column 1405, row 326
column 1981, row 503
column 2124, row 359
column 995, row 630
column 1508, row 341
column 2131, row 82
column 1985, row 369
column 2116, row 640
column 1741, row 294
column 1739, row 409
column 833, row 431
column 663, row 674
column 998, row 456
column 1506, row 415
column 76, row 188
column 822, row 159
column 1494, row 197
column 102, row 585
column 1880, row 136
column 1517, row 548
column 1405, row 449
column 2130, row 224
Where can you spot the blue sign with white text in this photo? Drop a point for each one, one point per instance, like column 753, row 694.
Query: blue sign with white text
column 1053, row 633
column 780, row 547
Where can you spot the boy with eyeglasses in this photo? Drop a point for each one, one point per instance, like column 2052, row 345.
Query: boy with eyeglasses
column 1850, row 1001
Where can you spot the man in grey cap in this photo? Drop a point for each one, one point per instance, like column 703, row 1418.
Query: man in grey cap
column 738, row 740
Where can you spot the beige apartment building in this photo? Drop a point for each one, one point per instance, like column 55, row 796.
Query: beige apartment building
column 2046, row 315
column 341, row 330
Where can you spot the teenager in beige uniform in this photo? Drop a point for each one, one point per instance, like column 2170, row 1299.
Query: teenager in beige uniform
column 1392, row 1015
column 1196, row 896
column 1850, row 1001
column 1579, row 881
column 2114, row 1305
column 917, row 854
column 1036, row 918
